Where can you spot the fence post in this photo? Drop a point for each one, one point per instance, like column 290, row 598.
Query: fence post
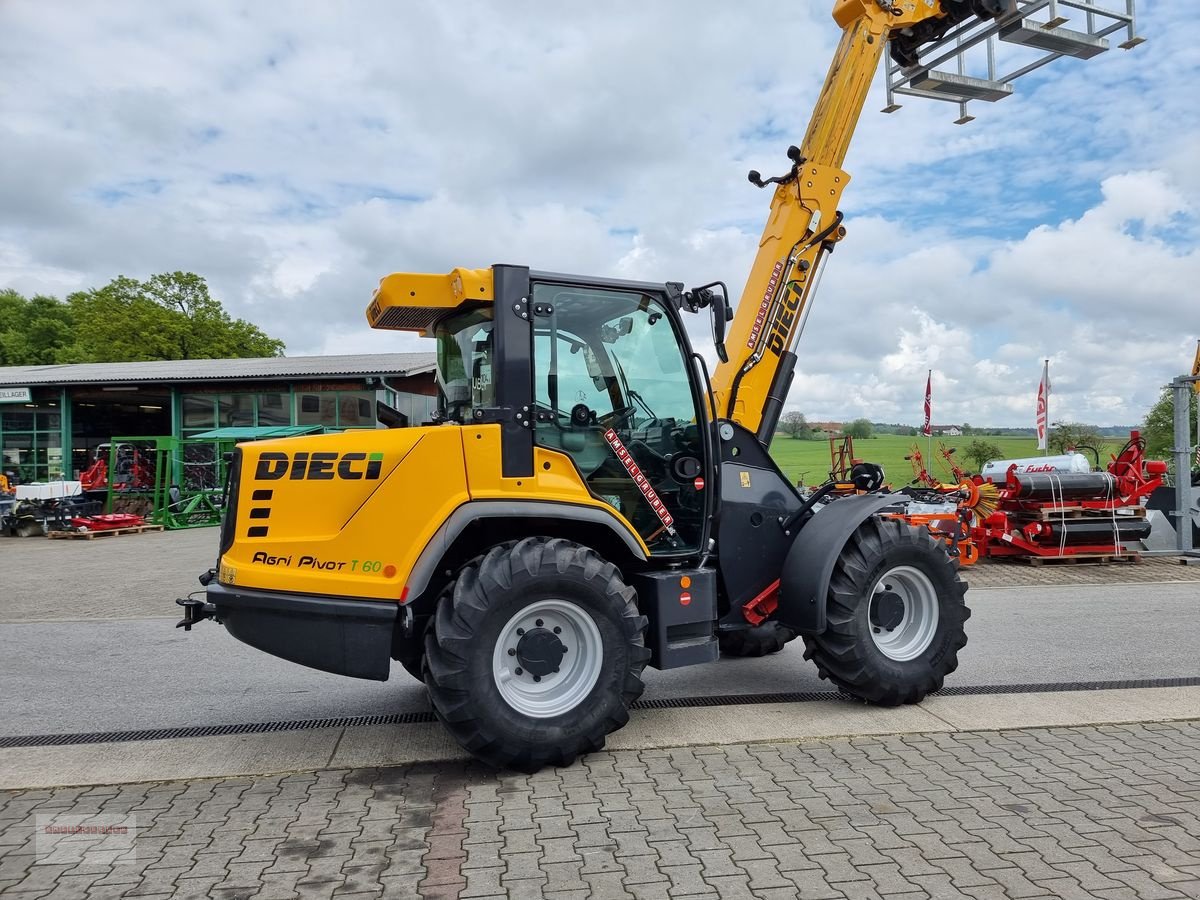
column 1181, row 391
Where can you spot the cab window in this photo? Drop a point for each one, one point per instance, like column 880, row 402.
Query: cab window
column 464, row 363
column 613, row 392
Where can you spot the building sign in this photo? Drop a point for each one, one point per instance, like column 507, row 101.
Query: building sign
column 15, row 395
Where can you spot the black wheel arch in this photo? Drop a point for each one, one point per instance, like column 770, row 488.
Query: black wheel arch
column 478, row 525
column 808, row 566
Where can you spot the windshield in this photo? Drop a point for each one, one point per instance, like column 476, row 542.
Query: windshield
column 464, row 363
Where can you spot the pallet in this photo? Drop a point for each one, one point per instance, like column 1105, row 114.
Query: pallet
column 1095, row 559
column 88, row 535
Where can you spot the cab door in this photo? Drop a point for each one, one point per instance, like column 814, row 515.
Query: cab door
column 615, row 390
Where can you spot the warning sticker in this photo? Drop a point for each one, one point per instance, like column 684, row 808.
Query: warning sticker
column 643, row 483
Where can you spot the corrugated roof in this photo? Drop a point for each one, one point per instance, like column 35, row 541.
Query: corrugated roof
column 272, row 367
column 259, row 433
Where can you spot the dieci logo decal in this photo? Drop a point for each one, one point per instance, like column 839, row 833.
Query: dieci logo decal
column 305, row 466
column 782, row 326
column 639, row 479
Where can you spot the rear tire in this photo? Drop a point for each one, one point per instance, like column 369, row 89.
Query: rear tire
column 769, row 637
column 514, row 691
column 895, row 615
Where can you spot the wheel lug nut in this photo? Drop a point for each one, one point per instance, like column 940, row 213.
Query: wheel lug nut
column 537, row 677
column 519, row 672
column 520, row 631
column 557, row 630
column 555, row 668
column 876, row 630
column 538, row 623
column 512, row 652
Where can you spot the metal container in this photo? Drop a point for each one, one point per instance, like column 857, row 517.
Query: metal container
column 1121, row 530
column 1069, row 486
column 997, row 470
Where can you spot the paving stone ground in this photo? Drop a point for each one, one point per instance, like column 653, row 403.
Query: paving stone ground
column 1099, row 812
column 1019, row 573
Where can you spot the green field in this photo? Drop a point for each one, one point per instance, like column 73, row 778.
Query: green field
column 809, row 460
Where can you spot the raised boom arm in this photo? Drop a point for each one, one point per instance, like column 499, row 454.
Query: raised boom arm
column 804, row 224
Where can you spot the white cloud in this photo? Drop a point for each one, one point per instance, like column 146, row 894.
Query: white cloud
column 293, row 153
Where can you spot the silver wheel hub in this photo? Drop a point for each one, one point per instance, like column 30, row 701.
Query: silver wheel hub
column 903, row 613
column 547, row 658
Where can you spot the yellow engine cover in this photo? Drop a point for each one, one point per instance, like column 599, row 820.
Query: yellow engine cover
column 342, row 514
column 348, row 515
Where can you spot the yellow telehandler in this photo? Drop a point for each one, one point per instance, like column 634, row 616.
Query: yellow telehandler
column 589, row 501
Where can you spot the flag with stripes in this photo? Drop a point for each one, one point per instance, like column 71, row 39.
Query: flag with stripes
column 1043, row 405
column 928, row 402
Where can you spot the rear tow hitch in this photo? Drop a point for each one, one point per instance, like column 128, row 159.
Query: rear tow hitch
column 194, row 611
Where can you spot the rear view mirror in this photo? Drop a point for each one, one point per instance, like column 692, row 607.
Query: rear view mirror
column 716, row 297
column 721, row 316
column 610, row 333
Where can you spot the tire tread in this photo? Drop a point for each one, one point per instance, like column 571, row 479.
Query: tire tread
column 848, row 658
column 463, row 608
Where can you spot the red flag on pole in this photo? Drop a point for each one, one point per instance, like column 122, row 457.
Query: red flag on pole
column 928, row 404
column 1043, row 405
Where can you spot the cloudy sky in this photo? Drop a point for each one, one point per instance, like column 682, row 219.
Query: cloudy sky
column 293, row 153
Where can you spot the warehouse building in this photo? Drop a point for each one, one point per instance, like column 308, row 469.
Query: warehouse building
column 54, row 417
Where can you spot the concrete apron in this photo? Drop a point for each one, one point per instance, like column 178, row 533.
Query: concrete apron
column 392, row 745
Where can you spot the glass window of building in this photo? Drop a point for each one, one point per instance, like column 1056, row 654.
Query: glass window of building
column 273, row 409
column 317, row 409
column 198, row 412
column 32, row 442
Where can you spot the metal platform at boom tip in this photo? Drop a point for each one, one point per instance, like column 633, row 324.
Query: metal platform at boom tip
column 962, row 65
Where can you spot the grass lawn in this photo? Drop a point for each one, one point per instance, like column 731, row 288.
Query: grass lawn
column 809, row 460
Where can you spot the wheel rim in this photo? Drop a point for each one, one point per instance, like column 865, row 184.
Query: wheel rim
column 903, row 613
column 528, row 644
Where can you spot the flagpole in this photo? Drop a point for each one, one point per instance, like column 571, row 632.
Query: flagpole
column 1046, row 377
column 929, row 435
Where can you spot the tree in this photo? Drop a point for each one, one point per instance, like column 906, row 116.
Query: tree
column 36, row 331
column 793, row 423
column 170, row 316
column 981, row 452
column 859, row 429
column 1066, row 436
column 1159, row 428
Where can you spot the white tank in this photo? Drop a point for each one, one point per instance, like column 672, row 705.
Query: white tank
column 997, row 470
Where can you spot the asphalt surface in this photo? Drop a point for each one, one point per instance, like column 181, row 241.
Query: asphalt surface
column 143, row 673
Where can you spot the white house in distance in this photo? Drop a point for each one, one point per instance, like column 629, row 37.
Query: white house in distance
column 946, row 430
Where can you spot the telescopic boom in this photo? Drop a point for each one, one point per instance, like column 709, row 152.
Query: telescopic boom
column 804, row 223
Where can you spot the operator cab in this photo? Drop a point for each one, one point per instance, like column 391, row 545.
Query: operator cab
column 613, row 388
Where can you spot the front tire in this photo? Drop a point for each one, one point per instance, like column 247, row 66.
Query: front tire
column 535, row 654
column 895, row 615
